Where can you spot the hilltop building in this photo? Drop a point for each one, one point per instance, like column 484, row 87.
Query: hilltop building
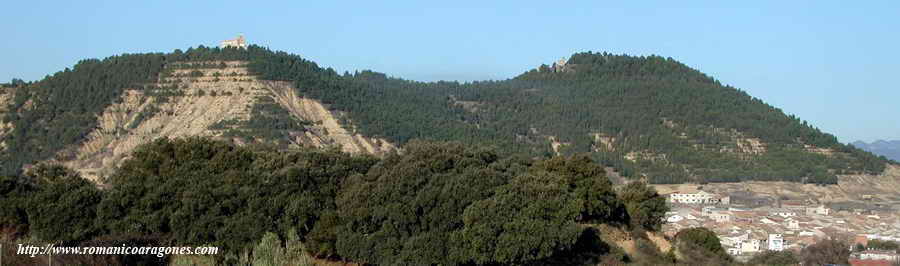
column 240, row 42
column 560, row 65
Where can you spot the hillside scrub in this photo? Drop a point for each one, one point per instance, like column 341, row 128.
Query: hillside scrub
column 774, row 258
column 701, row 246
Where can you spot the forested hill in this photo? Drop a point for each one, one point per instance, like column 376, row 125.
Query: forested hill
column 647, row 117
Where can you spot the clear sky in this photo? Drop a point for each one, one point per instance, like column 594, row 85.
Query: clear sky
column 833, row 63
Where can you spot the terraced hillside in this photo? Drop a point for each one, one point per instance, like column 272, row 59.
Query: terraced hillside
column 214, row 99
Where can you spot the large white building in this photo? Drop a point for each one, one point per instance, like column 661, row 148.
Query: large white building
column 776, row 242
column 701, row 197
column 783, row 213
column 240, row 42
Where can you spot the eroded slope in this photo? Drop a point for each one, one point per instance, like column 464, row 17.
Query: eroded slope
column 214, row 99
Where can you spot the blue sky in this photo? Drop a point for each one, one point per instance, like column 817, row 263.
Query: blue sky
column 833, row 63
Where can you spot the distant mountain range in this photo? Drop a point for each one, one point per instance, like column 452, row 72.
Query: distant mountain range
column 886, row 148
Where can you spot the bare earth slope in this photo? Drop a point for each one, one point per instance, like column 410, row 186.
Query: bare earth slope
column 191, row 102
column 327, row 129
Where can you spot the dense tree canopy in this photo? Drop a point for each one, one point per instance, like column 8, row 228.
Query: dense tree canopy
column 645, row 208
column 590, row 185
column 433, row 203
column 408, row 205
column 203, row 191
column 64, row 208
column 530, row 218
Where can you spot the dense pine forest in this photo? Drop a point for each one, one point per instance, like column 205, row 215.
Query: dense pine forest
column 648, row 118
column 678, row 118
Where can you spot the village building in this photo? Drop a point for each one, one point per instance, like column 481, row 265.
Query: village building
column 775, row 242
column 791, row 223
column 820, row 210
column 560, row 65
column 722, row 217
column 783, row 213
column 701, row 197
column 794, row 205
column 734, row 239
column 744, row 216
column 751, row 245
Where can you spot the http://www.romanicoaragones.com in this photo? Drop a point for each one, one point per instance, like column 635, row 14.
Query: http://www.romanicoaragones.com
column 51, row 249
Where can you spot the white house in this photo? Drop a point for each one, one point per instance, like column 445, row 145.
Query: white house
column 792, row 224
column 734, row 240
column 751, row 245
column 775, row 242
